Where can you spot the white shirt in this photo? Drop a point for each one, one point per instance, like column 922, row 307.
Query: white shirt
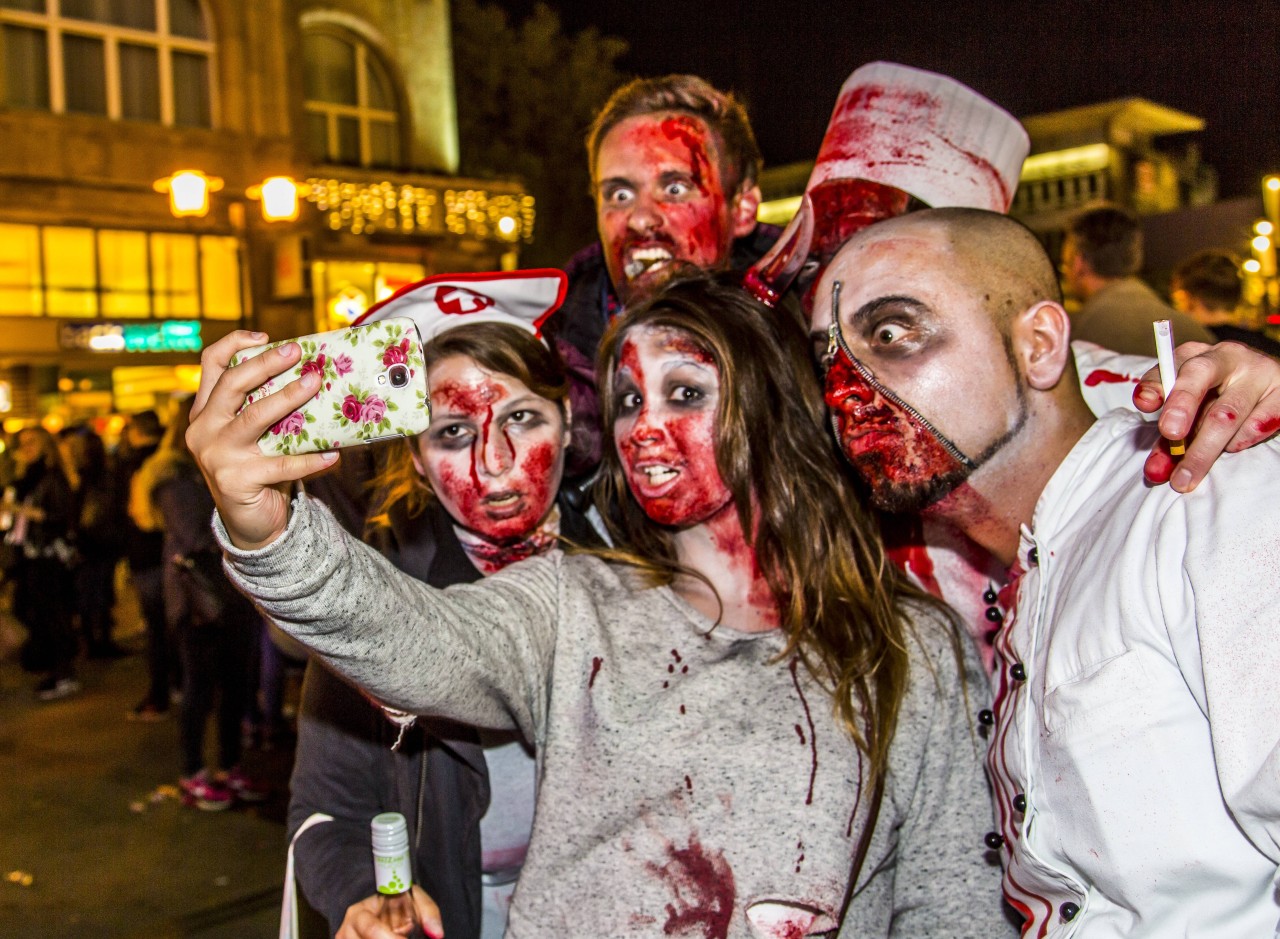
column 1137, row 699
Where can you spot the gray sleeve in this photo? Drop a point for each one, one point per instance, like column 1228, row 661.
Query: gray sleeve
column 928, row 874
column 478, row 653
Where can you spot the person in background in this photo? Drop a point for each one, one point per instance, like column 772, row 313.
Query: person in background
column 1101, row 257
column 1208, row 286
column 101, row 518
column 455, row 504
column 41, row 508
column 143, row 550
column 214, row 624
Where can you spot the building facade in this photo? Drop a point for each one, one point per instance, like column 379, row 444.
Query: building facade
column 110, row 108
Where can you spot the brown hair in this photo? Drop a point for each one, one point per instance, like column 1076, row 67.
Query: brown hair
column 686, row 94
column 1109, row 239
column 498, row 347
column 1212, row 277
column 841, row 602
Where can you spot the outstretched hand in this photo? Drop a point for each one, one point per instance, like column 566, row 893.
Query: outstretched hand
column 251, row 490
column 1226, row 398
column 381, row 917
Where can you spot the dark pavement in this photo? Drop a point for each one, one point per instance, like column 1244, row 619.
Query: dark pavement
column 93, row 839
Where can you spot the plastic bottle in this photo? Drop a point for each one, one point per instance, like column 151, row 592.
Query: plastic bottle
column 391, row 872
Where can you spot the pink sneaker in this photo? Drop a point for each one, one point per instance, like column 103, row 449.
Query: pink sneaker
column 243, row 787
column 203, row 793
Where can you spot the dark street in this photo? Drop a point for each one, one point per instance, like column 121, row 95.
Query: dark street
column 93, row 838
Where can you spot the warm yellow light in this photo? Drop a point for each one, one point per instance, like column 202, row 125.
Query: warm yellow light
column 778, row 211
column 1272, row 183
column 1252, row 266
column 65, row 384
column 188, row 192
column 13, row 424
column 188, row 377
column 1261, row 244
column 279, row 195
column 506, row 226
column 52, row 423
column 115, row 425
column 1263, row 227
column 1058, row 164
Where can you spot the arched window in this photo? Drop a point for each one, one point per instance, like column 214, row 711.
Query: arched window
column 351, row 109
column 144, row 60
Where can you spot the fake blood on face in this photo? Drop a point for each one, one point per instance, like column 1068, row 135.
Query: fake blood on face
column 661, row 201
column 495, row 466
column 666, row 439
column 888, row 447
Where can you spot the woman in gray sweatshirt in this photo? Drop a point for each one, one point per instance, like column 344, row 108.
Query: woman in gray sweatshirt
column 746, row 723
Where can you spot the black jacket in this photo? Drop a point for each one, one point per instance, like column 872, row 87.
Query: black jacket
column 437, row 778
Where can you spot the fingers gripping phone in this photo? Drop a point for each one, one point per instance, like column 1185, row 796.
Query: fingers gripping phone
column 373, row 386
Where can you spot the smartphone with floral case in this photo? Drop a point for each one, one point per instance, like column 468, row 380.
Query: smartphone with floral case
column 373, row 386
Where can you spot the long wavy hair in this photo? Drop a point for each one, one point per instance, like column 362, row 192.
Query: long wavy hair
column 841, row 603
column 497, row 347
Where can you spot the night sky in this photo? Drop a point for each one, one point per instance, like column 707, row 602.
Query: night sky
column 788, row 58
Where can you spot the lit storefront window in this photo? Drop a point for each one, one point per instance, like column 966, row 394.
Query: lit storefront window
column 71, row 272
column 21, row 286
column 345, row 289
column 124, row 273
column 85, row 272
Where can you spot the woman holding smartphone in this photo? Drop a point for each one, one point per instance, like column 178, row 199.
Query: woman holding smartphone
column 735, row 710
column 474, row 493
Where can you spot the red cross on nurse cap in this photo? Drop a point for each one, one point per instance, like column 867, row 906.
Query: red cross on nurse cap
column 443, row 301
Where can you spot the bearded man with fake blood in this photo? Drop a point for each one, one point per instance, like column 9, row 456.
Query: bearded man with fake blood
column 1134, row 747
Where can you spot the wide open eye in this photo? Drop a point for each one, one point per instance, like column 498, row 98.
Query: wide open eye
column 686, row 395
column 888, row 332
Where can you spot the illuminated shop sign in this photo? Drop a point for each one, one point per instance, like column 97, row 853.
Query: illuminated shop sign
column 170, row 336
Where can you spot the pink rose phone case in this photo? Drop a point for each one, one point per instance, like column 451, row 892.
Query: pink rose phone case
column 373, row 387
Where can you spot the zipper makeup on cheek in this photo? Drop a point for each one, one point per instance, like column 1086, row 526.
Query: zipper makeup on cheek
column 837, row 347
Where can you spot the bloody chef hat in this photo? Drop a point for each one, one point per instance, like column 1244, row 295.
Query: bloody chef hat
column 896, row 132
column 443, row 301
column 925, row 134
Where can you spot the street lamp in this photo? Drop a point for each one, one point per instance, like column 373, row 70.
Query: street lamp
column 279, row 197
column 188, row 192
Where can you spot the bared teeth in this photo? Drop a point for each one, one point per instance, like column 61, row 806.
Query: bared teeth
column 660, row 474
column 641, row 259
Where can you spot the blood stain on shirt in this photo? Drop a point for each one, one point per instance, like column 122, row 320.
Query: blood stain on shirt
column 596, row 662
column 1100, row 376
column 813, row 740
column 703, row 891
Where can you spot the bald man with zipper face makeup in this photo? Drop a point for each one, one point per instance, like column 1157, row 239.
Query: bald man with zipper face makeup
column 1120, row 795
column 926, row 385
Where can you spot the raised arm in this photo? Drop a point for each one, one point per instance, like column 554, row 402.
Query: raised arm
column 476, row 653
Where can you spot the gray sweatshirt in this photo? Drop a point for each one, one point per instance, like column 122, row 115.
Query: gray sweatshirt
column 689, row 784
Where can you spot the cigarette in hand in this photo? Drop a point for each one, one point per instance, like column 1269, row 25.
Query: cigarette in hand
column 1168, row 371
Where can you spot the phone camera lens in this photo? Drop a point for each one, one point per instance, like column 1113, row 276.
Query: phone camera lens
column 399, row 375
